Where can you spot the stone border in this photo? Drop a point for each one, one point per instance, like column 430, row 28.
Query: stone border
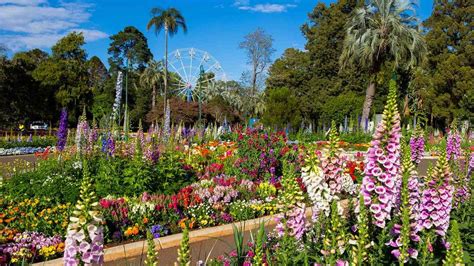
column 136, row 249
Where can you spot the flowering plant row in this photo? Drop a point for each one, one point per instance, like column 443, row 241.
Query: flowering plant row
column 99, row 188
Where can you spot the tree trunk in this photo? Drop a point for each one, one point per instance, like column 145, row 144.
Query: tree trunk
column 254, row 90
column 369, row 98
column 166, row 69
column 153, row 97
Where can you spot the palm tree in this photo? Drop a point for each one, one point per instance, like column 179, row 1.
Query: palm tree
column 382, row 31
column 170, row 20
column 151, row 77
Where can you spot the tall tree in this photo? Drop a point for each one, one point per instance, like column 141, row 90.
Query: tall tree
column 131, row 44
column 152, row 77
column 259, row 48
column 103, row 94
column 170, row 20
column 445, row 84
column 382, row 31
column 314, row 75
column 66, row 73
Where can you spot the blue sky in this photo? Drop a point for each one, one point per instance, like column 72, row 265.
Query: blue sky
column 214, row 26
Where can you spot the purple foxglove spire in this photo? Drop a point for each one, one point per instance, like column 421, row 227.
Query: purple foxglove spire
column 417, row 146
column 380, row 186
column 453, row 143
column 437, row 197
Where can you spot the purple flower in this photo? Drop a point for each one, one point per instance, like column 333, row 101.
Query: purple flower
column 380, row 187
column 453, row 144
column 62, row 131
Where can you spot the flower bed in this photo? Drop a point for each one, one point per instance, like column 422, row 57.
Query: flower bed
column 166, row 182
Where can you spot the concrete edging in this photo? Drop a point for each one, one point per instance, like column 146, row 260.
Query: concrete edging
column 136, row 249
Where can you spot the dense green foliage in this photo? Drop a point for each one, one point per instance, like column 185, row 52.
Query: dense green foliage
column 326, row 89
column 444, row 86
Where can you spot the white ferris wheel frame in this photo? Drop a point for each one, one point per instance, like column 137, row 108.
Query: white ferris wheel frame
column 189, row 73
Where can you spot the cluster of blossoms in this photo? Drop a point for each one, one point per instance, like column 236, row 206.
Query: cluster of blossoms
column 217, row 194
column 436, row 200
column 296, row 224
column 28, row 245
column 167, row 123
column 382, row 173
column 118, row 97
column 108, row 145
column 318, row 190
column 453, row 143
column 82, row 134
column 62, row 131
column 158, row 231
column 85, row 240
column 417, row 147
column 409, row 210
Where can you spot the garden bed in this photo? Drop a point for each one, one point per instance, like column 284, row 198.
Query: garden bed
column 212, row 242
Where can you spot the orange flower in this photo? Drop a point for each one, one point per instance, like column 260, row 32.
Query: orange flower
column 128, row 231
column 135, row 230
column 145, row 220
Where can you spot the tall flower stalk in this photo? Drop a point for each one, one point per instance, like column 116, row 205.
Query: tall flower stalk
column 455, row 254
column 167, row 122
column 407, row 233
column 85, row 240
column 380, row 186
column 334, row 240
column 118, row 97
column 151, row 254
column 437, row 197
column 82, row 134
column 184, row 254
column 332, row 163
column 318, row 190
column 62, row 131
column 417, row 145
column 453, row 143
column 361, row 240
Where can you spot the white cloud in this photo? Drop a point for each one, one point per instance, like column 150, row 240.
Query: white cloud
column 91, row 35
column 262, row 8
column 23, row 2
column 26, row 24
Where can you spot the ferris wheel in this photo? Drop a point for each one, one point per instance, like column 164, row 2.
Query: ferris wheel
column 196, row 75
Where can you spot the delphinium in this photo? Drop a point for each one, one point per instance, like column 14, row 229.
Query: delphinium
column 417, row 145
column 167, row 122
column 453, row 143
column 316, row 187
column 84, row 239
column 82, row 134
column 455, row 253
column 93, row 137
column 184, row 254
column 108, row 145
column 382, row 173
column 437, row 197
column 151, row 254
column 62, row 131
column 118, row 97
column 141, row 135
column 406, row 233
column 361, row 239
